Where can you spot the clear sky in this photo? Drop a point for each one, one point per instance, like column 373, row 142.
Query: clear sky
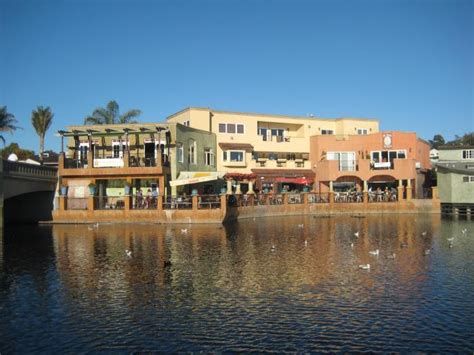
column 407, row 63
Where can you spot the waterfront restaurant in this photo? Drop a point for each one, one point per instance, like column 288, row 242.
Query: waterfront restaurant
column 394, row 161
column 111, row 162
column 273, row 148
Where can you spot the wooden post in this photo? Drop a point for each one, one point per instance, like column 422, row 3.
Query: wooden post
column 62, row 203
column 400, row 190
column 90, row 203
column 305, row 198
column 126, row 158
column 61, row 161
column 409, row 190
column 195, row 203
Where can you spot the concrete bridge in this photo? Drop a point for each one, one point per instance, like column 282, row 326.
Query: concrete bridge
column 26, row 192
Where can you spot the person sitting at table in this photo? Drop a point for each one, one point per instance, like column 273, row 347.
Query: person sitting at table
column 379, row 194
column 139, row 199
column 148, row 199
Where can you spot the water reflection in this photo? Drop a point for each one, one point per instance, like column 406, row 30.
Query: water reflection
column 198, row 287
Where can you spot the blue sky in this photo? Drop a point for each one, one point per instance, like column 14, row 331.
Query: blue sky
column 407, row 63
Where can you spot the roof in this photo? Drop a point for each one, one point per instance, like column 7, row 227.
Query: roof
column 236, row 146
column 455, row 147
column 268, row 115
column 465, row 168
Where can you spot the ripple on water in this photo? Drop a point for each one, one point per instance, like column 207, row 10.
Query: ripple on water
column 227, row 290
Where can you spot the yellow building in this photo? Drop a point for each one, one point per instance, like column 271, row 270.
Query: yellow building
column 269, row 149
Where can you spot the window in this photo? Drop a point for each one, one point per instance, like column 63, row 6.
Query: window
column 231, row 128
column 468, row 154
column 327, row 131
column 468, row 179
column 236, row 156
column 180, row 152
column 388, row 155
column 347, row 160
column 192, row 152
column 209, row 157
column 362, row 131
column 233, row 155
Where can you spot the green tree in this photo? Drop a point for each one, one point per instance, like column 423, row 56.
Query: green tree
column 7, row 122
column 437, row 141
column 466, row 139
column 22, row 154
column 41, row 119
column 111, row 115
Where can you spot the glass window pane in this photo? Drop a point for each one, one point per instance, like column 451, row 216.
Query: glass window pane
column 221, row 127
column 240, row 128
column 230, row 128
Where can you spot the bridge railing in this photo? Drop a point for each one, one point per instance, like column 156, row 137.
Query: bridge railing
column 28, row 169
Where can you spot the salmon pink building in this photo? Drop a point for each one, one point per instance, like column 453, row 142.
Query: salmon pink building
column 367, row 162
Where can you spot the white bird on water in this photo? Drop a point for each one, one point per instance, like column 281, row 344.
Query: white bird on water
column 450, row 239
column 128, row 253
column 305, row 243
column 374, row 252
column 301, row 225
column 356, row 234
column 273, row 247
column 427, row 252
column 423, row 233
column 184, row 231
column 352, row 245
column 392, row 256
column 464, row 231
column 364, row 266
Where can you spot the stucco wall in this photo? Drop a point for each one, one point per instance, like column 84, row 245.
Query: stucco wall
column 452, row 189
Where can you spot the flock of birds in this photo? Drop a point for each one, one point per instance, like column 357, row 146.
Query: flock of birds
column 375, row 252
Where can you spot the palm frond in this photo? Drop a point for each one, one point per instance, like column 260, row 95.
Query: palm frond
column 7, row 121
column 41, row 119
column 128, row 116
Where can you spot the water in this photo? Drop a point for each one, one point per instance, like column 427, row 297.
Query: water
column 73, row 287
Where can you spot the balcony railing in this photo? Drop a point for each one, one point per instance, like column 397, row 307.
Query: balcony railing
column 280, row 163
column 134, row 160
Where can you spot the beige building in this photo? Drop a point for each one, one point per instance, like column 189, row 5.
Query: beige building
column 269, row 149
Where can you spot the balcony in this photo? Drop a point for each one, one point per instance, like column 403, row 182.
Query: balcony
column 331, row 170
column 130, row 164
column 280, row 164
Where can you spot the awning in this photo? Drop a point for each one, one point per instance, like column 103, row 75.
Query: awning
column 195, row 177
column 236, row 146
column 299, row 181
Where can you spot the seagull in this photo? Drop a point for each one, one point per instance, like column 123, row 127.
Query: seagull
column 352, row 245
column 305, row 243
column 364, row 266
column 451, row 245
column 450, row 239
column 403, row 245
column 128, row 253
column 300, row 225
column 273, row 247
column 90, row 228
column 374, row 252
column 464, row 231
column 356, row 234
column 423, row 233
column 427, row 252
column 184, row 231
column 392, row 256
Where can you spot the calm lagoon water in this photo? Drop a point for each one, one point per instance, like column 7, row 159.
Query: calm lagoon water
column 74, row 288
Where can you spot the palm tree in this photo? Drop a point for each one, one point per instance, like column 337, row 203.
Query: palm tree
column 111, row 115
column 7, row 122
column 41, row 119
